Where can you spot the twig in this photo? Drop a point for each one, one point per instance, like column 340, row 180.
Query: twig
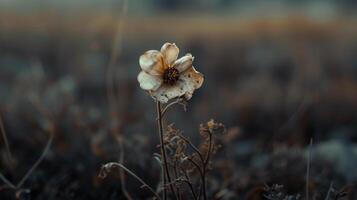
column 196, row 165
column 191, row 188
column 308, row 170
column 199, row 170
column 188, row 181
column 205, row 162
column 193, row 147
column 107, row 168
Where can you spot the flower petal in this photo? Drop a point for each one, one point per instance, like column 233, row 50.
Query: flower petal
column 149, row 82
column 170, row 52
column 152, row 62
column 192, row 77
column 184, row 63
column 168, row 92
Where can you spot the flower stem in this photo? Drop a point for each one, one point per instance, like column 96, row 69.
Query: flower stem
column 205, row 165
column 163, row 151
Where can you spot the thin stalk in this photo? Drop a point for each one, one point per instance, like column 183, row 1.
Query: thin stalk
column 201, row 175
column 193, row 147
column 189, row 183
column 308, row 171
column 6, row 142
column 176, row 177
column 113, row 96
column 51, row 131
column 205, row 167
column 191, row 188
column 329, row 191
column 7, row 182
column 110, row 165
column 197, row 166
column 163, row 151
column 39, row 160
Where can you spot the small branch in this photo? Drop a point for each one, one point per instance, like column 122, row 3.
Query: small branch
column 193, row 147
column 200, row 172
column 191, row 188
column 107, row 168
column 197, row 166
column 188, row 181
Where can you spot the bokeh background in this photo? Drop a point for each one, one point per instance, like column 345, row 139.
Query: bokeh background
column 277, row 73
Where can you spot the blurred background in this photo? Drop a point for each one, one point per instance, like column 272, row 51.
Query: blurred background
column 277, row 73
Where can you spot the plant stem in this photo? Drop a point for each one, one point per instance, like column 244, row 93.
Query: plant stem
column 163, row 151
column 6, row 142
column 308, row 171
column 205, row 167
column 189, row 183
column 107, row 167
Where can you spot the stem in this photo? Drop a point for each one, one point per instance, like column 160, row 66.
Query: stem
column 163, row 151
column 205, row 167
column 196, row 165
column 107, row 167
column 193, row 147
column 51, row 131
column 329, row 191
column 176, row 177
column 308, row 170
column 6, row 143
column 189, row 183
column 113, row 96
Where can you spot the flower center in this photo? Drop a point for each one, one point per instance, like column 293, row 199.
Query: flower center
column 171, row 75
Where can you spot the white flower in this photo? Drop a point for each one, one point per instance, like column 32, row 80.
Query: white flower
column 165, row 77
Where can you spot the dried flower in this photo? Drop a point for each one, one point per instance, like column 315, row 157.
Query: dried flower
column 165, row 77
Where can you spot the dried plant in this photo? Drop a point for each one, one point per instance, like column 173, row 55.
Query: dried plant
column 171, row 81
column 187, row 160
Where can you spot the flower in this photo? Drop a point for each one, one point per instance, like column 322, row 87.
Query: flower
column 165, row 77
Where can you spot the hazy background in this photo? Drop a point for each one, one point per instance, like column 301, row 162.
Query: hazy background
column 277, row 73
